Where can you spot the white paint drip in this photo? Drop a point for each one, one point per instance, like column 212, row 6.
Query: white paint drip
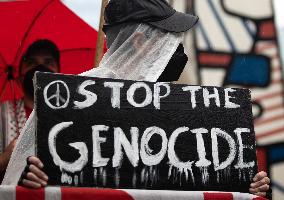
column 103, row 176
column 65, row 178
column 117, row 177
column 76, row 180
column 176, row 174
column 245, row 175
column 149, row 176
column 251, row 174
column 204, row 175
column 224, row 175
column 153, row 175
column 134, row 179
column 95, row 176
column 143, row 175
column 240, row 174
column 82, row 177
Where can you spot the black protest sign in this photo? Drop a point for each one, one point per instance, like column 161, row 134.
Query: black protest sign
column 127, row 134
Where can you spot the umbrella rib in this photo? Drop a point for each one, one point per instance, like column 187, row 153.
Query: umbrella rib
column 30, row 28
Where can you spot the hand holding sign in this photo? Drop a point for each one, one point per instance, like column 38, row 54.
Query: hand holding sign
column 259, row 187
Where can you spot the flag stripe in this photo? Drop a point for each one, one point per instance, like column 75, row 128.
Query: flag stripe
column 165, row 195
column 28, row 194
column 7, row 193
column 52, row 193
column 218, row 196
column 90, row 193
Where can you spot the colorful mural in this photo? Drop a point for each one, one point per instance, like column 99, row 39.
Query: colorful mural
column 236, row 46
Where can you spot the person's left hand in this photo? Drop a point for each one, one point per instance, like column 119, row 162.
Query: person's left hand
column 260, row 184
column 33, row 176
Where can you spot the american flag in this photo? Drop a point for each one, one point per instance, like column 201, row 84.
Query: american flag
column 65, row 193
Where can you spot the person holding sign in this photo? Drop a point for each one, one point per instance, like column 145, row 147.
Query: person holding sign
column 41, row 55
column 144, row 38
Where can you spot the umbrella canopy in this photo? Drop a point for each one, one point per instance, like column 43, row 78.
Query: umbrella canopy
column 23, row 22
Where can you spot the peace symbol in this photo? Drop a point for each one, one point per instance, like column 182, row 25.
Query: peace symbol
column 60, row 102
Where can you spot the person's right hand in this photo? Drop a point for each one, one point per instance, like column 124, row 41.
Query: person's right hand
column 33, row 176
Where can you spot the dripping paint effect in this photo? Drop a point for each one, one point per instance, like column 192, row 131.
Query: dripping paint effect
column 251, row 174
column 178, row 173
column 170, row 171
column 224, row 175
column 227, row 174
column 95, row 177
column 82, row 178
column 117, row 177
column 101, row 169
column 143, row 175
column 76, row 180
column 240, row 174
column 153, row 175
column 104, row 176
column 65, row 178
column 146, row 177
column 134, row 178
column 149, row 175
column 192, row 177
column 204, row 175
column 245, row 175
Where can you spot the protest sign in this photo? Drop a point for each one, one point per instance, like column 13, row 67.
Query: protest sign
column 133, row 134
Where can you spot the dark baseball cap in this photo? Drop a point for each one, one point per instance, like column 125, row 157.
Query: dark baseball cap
column 157, row 13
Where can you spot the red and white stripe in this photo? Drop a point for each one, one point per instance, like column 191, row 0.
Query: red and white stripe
column 65, row 193
column 269, row 127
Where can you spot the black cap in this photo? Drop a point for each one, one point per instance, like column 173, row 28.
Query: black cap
column 157, row 13
column 43, row 46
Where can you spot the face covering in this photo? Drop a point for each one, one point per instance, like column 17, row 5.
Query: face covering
column 175, row 66
column 28, row 79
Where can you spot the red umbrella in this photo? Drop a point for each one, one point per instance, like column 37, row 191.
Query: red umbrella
column 23, row 22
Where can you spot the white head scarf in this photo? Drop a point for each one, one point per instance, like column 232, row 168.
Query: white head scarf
column 142, row 56
column 137, row 52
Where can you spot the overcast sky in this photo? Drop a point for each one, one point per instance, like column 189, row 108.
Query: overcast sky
column 86, row 9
